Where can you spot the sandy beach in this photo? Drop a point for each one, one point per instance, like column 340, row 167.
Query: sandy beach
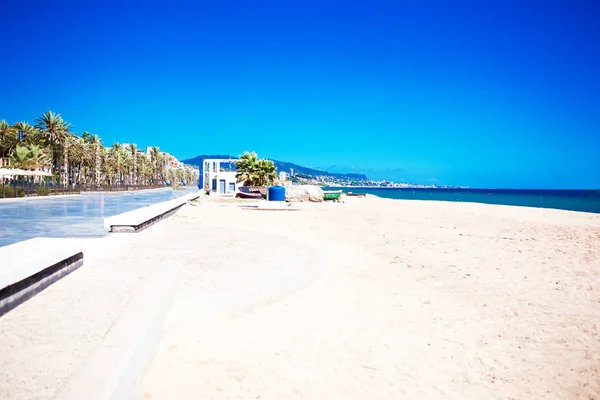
column 370, row 298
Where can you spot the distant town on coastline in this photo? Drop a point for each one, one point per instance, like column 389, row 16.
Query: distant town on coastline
column 305, row 175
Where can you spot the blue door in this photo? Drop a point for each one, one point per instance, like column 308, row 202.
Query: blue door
column 222, row 186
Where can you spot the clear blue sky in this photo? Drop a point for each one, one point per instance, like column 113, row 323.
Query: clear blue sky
column 482, row 93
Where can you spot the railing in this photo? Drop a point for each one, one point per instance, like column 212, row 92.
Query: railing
column 22, row 189
column 120, row 188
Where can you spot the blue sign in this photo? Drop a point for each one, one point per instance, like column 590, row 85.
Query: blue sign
column 20, row 135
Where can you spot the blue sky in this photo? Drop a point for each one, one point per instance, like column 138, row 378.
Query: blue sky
column 478, row 93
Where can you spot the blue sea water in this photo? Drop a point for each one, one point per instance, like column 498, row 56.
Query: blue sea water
column 574, row 200
column 71, row 216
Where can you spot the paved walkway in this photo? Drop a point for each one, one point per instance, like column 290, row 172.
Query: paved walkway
column 49, row 337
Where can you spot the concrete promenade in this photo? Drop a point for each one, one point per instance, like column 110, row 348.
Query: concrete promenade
column 30, row 275
column 53, row 336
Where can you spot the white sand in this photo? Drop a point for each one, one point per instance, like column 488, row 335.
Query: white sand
column 371, row 298
column 385, row 299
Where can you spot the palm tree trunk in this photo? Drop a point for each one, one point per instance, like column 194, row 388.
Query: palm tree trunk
column 97, row 165
column 57, row 162
column 66, row 164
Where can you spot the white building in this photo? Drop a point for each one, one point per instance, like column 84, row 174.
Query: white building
column 283, row 176
column 215, row 181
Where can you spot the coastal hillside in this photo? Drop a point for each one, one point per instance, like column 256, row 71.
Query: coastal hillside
column 284, row 166
column 311, row 176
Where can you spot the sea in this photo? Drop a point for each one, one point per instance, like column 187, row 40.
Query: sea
column 573, row 200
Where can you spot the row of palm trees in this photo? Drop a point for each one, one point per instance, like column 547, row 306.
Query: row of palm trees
column 51, row 144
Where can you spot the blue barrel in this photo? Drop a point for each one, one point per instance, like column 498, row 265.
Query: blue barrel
column 276, row 193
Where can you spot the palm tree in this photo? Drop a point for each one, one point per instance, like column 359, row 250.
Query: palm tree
column 78, row 155
column 116, row 154
column 6, row 131
column 96, row 144
column 29, row 157
column 39, row 158
column 126, row 166
column 30, row 134
column 187, row 175
column 180, row 175
column 142, row 160
column 133, row 151
column 55, row 132
column 246, row 167
column 65, row 153
column 163, row 167
column 155, row 157
column 170, row 175
column 253, row 171
column 265, row 173
column 20, row 157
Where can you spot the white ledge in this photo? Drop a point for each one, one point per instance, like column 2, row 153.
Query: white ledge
column 28, row 267
column 135, row 220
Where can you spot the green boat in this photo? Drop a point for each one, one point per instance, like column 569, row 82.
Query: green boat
column 332, row 195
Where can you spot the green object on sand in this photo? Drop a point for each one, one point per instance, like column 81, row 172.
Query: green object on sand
column 331, row 194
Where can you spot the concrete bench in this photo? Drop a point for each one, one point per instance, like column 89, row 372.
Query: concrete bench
column 30, row 266
column 136, row 220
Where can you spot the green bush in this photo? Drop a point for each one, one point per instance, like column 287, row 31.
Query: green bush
column 43, row 191
column 6, row 191
column 20, row 192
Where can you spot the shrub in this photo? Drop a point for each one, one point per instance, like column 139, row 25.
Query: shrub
column 6, row 191
column 43, row 191
column 20, row 192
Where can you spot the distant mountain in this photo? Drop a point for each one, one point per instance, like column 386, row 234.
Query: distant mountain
column 281, row 166
column 197, row 161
